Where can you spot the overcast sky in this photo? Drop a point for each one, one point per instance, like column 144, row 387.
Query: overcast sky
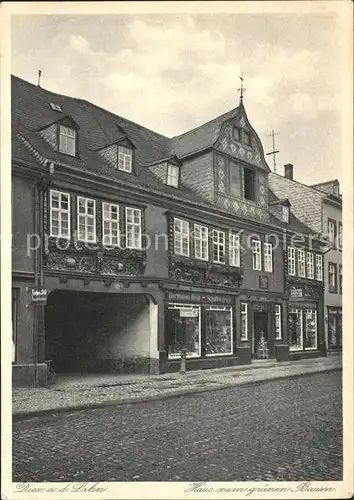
column 171, row 73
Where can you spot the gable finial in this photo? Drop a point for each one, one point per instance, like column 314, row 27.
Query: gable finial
column 242, row 89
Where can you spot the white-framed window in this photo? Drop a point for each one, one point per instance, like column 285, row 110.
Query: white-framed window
column 319, row 267
column 184, row 327
column 332, row 231
column 291, row 261
column 310, row 265
column 244, row 321
column 218, row 246
column 340, row 275
column 234, row 249
column 332, row 277
column 67, row 140
column 201, row 242
column 340, row 235
column 132, row 227
column 172, row 175
column 125, row 159
column 278, row 329
column 285, row 213
column 86, row 219
column 181, row 237
column 110, row 224
column 256, row 255
column 59, row 214
column 268, row 257
column 218, row 333
column 301, row 263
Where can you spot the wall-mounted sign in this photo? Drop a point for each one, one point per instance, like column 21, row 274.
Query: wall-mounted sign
column 188, row 313
column 39, row 295
column 198, row 297
column 296, row 292
column 263, row 282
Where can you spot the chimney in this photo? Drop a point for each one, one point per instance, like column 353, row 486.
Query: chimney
column 289, row 171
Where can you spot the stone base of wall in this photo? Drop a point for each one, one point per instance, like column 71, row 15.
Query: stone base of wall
column 173, row 366
column 282, row 352
column 296, row 356
column 29, row 375
column 131, row 364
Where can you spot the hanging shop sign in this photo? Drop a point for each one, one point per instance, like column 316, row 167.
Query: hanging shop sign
column 39, row 295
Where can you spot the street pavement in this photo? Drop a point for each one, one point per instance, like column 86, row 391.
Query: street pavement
column 284, row 430
column 80, row 391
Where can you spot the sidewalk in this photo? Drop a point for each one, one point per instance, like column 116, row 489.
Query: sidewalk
column 77, row 392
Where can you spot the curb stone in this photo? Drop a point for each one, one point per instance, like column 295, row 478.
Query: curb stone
column 182, row 392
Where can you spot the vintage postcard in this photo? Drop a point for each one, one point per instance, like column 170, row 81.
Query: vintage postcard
column 177, row 260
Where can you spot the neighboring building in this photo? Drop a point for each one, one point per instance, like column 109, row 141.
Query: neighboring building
column 320, row 207
column 95, row 190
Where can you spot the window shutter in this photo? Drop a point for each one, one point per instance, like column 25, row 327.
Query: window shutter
column 235, row 187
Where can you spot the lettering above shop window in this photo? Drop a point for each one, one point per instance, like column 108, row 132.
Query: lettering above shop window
column 198, row 297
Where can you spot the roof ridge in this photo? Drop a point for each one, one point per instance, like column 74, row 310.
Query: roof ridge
column 205, row 123
column 85, row 101
column 324, row 182
column 298, row 182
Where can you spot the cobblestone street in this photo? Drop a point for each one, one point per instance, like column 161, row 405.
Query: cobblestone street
column 285, row 430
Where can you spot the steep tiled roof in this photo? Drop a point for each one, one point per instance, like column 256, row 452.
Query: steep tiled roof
column 98, row 127
column 294, row 223
column 306, row 201
column 200, row 137
column 330, row 188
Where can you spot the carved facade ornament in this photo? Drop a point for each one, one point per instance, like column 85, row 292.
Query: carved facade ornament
column 97, row 264
column 190, row 272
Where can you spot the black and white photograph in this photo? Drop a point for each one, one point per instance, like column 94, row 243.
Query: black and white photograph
column 176, row 222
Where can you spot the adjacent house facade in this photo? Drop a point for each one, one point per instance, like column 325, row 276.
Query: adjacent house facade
column 129, row 246
column 320, row 207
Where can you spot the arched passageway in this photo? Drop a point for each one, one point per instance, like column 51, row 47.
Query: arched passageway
column 99, row 332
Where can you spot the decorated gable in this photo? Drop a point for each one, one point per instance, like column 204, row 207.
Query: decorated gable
column 240, row 169
column 237, row 138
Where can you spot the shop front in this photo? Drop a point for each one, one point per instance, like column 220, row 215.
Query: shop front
column 335, row 330
column 205, row 325
column 305, row 322
column 263, row 326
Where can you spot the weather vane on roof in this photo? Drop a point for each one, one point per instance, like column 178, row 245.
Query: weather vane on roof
column 242, row 89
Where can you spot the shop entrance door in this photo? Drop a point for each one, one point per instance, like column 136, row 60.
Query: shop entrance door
column 261, row 348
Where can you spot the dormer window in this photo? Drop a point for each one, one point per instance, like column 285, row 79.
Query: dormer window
column 172, row 175
column 125, row 159
column 285, row 214
column 67, row 140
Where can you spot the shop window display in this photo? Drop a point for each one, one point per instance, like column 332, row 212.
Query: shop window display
column 310, row 340
column 335, row 329
column 184, row 330
column 302, row 329
column 218, row 333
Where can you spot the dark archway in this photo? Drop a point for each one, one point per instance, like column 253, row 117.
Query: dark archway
column 97, row 332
